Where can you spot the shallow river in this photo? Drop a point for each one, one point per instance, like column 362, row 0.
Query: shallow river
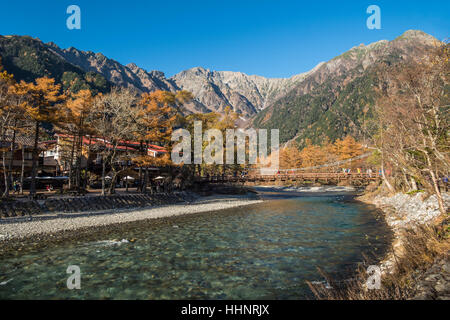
column 263, row 251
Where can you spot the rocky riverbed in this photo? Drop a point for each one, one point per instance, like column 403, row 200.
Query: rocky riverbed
column 403, row 212
column 53, row 223
column 405, row 209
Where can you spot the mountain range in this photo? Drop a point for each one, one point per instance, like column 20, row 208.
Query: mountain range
column 329, row 101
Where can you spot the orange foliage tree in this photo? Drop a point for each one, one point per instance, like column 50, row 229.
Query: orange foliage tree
column 43, row 97
column 290, row 157
column 157, row 117
column 347, row 148
column 77, row 123
column 312, row 155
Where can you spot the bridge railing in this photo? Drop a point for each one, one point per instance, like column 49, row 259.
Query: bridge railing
column 289, row 176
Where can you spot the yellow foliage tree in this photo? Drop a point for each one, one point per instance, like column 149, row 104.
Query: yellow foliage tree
column 290, row 157
column 312, row 155
column 156, row 119
column 347, row 148
column 77, row 124
column 158, row 115
column 43, row 96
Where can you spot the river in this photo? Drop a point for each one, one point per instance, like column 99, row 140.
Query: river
column 262, row 251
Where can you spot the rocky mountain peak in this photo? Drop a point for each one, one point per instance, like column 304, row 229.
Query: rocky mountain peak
column 132, row 66
column 247, row 94
column 418, row 36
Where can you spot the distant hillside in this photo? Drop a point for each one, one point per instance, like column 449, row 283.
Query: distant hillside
column 332, row 100
column 27, row 59
column 336, row 99
column 213, row 90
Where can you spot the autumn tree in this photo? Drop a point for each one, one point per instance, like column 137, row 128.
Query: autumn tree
column 43, row 97
column 329, row 151
column 221, row 122
column 115, row 120
column 6, row 108
column 347, row 148
column 207, row 120
column 8, row 114
column 13, row 121
column 290, row 157
column 157, row 116
column 19, row 124
column 413, row 116
column 77, row 123
column 312, row 155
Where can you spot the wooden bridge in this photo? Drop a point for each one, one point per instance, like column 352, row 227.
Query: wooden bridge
column 296, row 177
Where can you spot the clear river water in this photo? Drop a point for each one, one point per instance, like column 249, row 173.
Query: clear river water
column 262, row 251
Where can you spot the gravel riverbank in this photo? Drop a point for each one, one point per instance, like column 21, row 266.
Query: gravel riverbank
column 404, row 212
column 59, row 222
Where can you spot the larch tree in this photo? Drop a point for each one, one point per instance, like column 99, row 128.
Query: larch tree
column 18, row 125
column 157, row 117
column 290, row 157
column 42, row 106
column 80, row 108
column 312, row 155
column 347, row 148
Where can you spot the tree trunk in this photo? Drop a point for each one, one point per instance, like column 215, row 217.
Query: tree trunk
column 408, row 186
column 71, row 163
column 435, row 183
column 140, row 184
column 103, row 175
column 413, row 183
column 11, row 160
column 437, row 192
column 78, row 163
column 112, row 184
column 385, row 180
column 144, row 186
column 34, row 160
column 5, row 175
column 22, row 171
column 139, row 187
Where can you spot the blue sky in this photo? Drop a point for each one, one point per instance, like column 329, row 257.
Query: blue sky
column 276, row 38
